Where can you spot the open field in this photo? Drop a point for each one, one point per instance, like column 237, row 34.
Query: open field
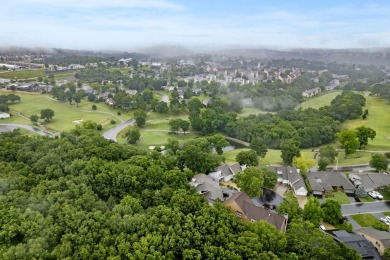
column 365, row 220
column 246, row 111
column 378, row 119
column 22, row 74
column 320, row 100
column 150, row 137
column 272, row 157
column 63, row 75
column 32, row 104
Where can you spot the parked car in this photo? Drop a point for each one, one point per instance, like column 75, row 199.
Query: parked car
column 385, row 220
column 375, row 195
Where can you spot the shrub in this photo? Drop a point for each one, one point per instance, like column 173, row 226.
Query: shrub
column 99, row 127
column 113, row 122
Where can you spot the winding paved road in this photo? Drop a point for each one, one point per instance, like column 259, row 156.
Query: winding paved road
column 112, row 133
column 29, row 128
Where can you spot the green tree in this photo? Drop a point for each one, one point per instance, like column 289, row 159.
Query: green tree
column 349, row 141
column 161, row 107
column 172, row 144
column 332, row 211
column 251, row 181
column 323, row 162
column 379, row 162
column 270, row 178
column 289, row 150
column 4, row 108
column 360, row 192
column 184, row 125
column 313, row 211
column 174, row 124
column 290, row 206
column 386, row 255
column 248, row 158
column 94, row 107
column 132, row 135
column 218, row 141
column 140, row 118
column 363, row 133
column 34, row 118
column 47, row 114
column 259, row 146
column 303, row 164
column 328, row 152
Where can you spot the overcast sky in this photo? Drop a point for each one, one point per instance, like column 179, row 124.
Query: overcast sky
column 133, row 24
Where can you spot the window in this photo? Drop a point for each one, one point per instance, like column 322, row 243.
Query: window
column 239, row 214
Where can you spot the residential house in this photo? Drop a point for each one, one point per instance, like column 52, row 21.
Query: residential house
column 311, row 92
column 291, row 176
column 207, row 102
column 208, row 187
column 4, row 81
column 334, row 83
column 241, row 205
column 131, row 92
column 370, row 181
column 326, row 182
column 357, row 242
column 380, row 239
column 4, row 115
column 225, row 172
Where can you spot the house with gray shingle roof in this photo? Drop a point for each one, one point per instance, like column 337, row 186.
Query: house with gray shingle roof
column 291, row 176
column 326, row 182
column 380, row 239
column 226, row 172
column 370, row 181
column 205, row 185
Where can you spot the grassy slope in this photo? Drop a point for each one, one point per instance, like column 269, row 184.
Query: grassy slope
column 32, row 104
column 22, row 74
column 319, row 100
column 378, row 119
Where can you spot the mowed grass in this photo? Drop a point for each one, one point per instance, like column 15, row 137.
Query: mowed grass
column 339, row 196
column 378, row 119
column 365, row 220
column 246, row 111
column 32, row 104
column 22, row 74
column 320, row 100
column 272, row 157
column 150, row 137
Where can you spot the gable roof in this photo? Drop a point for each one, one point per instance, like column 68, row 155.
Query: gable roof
column 292, row 175
column 253, row 212
column 382, row 236
column 370, row 180
column 205, row 185
column 325, row 181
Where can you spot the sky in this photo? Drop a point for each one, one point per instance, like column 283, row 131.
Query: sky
column 130, row 25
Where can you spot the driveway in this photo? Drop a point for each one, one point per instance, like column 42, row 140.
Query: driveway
column 355, row 225
column 366, row 207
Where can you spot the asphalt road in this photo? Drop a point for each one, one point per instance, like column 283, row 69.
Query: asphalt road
column 29, row 128
column 112, row 133
column 367, row 207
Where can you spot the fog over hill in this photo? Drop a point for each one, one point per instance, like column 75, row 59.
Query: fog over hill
column 373, row 56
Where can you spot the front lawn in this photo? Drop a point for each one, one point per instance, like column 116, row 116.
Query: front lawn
column 366, row 220
column 367, row 198
column 339, row 196
column 386, row 213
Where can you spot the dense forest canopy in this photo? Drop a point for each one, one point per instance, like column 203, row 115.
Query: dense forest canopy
column 81, row 196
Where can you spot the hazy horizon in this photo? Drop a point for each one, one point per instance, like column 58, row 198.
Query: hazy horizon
column 136, row 25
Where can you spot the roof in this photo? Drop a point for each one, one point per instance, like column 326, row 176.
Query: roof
column 205, row 184
column 383, row 236
column 291, row 174
column 363, row 247
column 370, row 180
column 325, row 181
column 253, row 212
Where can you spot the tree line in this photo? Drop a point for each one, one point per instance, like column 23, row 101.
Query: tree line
column 82, row 196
